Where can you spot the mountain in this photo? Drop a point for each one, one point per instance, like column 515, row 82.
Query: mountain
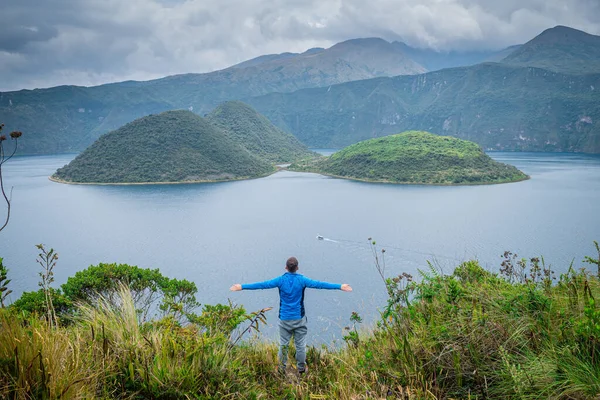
column 524, row 109
column 351, row 60
column 416, row 158
column 560, row 49
column 70, row 118
column 174, row 146
column 256, row 133
column 434, row 60
column 498, row 106
column 274, row 57
column 264, row 59
column 502, row 54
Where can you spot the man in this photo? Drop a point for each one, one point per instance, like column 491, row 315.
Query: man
column 292, row 320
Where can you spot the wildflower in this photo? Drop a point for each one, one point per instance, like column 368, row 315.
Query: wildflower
column 2, row 138
column 16, row 134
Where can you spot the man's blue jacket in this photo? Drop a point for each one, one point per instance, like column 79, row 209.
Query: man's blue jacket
column 291, row 292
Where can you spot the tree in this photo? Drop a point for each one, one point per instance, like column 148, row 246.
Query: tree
column 15, row 135
column 151, row 291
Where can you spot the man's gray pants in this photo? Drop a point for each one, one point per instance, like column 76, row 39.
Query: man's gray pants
column 287, row 329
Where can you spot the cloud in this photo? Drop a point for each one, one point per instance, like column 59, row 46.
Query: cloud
column 87, row 42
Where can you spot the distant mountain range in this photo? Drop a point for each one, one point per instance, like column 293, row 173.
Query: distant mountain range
column 501, row 105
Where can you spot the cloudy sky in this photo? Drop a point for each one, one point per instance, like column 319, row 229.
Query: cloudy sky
column 46, row 43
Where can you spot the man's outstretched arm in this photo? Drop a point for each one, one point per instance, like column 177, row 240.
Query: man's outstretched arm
column 273, row 283
column 310, row 283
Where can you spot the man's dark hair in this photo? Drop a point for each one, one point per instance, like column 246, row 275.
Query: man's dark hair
column 292, row 264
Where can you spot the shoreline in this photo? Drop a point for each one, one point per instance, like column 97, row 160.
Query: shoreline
column 365, row 180
column 58, row 180
column 280, row 168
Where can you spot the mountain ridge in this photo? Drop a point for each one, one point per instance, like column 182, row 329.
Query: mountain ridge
column 498, row 106
column 69, row 118
column 559, row 49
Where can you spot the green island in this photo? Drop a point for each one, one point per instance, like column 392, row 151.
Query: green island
column 234, row 142
column 414, row 157
column 257, row 134
column 115, row 331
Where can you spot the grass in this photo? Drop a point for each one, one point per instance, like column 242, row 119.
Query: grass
column 523, row 333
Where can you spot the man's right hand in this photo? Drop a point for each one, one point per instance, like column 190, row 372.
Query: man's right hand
column 237, row 287
column 346, row 288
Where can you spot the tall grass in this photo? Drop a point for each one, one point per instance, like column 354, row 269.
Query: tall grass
column 472, row 334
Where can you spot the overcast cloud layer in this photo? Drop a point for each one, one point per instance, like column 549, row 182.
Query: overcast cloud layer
column 88, row 42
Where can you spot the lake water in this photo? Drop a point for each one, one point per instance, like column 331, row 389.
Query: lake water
column 223, row 233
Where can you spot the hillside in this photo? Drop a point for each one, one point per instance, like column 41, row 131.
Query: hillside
column 70, row 118
column 256, row 133
column 415, row 158
column 350, row 60
column 498, row 106
column 515, row 334
column 273, row 57
column 174, row 146
column 508, row 106
column 560, row 49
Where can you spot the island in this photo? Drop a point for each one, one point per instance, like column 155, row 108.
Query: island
column 257, row 134
column 232, row 143
column 414, row 157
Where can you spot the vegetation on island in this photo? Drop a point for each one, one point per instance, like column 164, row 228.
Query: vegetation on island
column 414, row 158
column 119, row 331
column 256, row 133
column 174, row 146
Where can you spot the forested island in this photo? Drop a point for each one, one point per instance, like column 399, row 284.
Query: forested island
column 414, row 157
column 232, row 143
column 256, row 133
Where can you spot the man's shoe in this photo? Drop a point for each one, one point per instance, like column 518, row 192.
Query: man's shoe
column 303, row 371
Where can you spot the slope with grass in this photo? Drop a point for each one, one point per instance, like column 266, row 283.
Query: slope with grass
column 256, row 133
column 174, row 146
column 414, row 158
column 522, row 333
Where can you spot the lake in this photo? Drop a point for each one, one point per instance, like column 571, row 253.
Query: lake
column 223, row 233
